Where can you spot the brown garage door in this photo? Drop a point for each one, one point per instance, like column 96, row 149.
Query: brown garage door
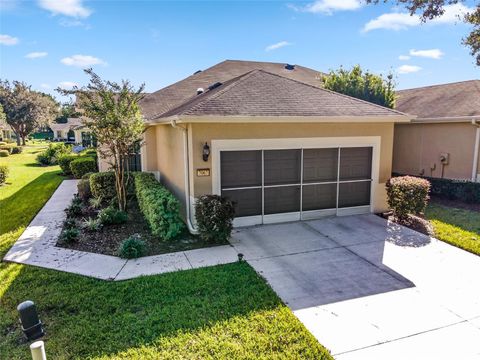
column 296, row 181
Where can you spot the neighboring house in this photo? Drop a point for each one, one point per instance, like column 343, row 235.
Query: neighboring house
column 443, row 140
column 267, row 136
column 6, row 132
column 73, row 131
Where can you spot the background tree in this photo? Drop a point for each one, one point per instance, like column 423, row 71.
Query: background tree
column 362, row 85
column 431, row 9
column 25, row 109
column 67, row 110
column 3, row 117
column 112, row 114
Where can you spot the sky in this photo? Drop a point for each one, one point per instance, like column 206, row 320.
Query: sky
column 47, row 43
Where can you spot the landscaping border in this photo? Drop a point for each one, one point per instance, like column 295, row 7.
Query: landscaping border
column 37, row 247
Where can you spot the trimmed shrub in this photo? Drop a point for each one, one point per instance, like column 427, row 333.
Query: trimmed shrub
column 17, row 150
column 3, row 174
column 407, row 195
column 51, row 155
column 103, row 185
column 214, row 215
column 112, row 216
column 4, row 153
column 82, row 166
column 159, row 207
column 8, row 148
column 69, row 235
column 64, row 162
column 132, row 247
column 83, row 190
column 87, row 176
column 2, row 143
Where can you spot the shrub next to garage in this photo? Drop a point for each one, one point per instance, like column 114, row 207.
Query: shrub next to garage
column 214, row 215
column 159, row 207
column 407, row 195
column 82, row 166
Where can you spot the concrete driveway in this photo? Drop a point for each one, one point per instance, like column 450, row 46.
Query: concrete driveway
column 367, row 289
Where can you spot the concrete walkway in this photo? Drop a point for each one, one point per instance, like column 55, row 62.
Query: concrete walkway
column 37, row 246
column 367, row 289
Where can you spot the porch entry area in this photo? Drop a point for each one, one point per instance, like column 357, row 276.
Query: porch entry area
column 278, row 185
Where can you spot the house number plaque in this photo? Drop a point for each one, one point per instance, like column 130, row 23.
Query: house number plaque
column 203, row 172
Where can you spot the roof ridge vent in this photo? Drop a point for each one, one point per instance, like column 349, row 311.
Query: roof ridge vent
column 289, row 67
column 215, row 85
column 197, row 72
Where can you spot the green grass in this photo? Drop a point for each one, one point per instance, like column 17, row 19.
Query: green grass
column 456, row 226
column 222, row 312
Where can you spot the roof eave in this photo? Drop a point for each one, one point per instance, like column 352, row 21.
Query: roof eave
column 450, row 119
column 280, row 119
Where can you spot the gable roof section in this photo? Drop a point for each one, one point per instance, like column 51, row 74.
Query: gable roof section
column 260, row 93
column 163, row 100
column 461, row 99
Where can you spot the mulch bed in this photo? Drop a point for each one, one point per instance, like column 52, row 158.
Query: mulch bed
column 108, row 239
column 413, row 222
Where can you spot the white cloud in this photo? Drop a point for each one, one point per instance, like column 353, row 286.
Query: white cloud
column 277, row 45
column 431, row 53
column 8, row 40
column 407, row 69
column 329, row 6
column 401, row 21
column 36, row 55
column 46, row 86
column 73, row 8
column 82, row 61
column 404, row 57
column 73, row 23
column 67, row 85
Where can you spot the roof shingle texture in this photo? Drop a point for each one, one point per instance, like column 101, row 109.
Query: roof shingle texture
column 260, row 93
column 441, row 101
column 163, row 100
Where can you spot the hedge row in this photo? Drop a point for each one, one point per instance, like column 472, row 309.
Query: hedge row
column 462, row 190
column 159, row 207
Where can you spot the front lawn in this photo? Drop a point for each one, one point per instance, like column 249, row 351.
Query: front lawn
column 222, row 312
column 459, row 227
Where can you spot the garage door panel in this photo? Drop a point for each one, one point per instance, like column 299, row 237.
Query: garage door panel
column 355, row 163
column 241, row 168
column 319, row 197
column 320, row 165
column 354, row 194
column 247, row 202
column 282, row 166
column 282, row 199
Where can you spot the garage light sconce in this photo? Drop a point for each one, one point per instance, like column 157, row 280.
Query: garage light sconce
column 206, row 152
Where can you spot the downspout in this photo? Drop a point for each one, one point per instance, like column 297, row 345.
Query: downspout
column 186, row 163
column 476, row 150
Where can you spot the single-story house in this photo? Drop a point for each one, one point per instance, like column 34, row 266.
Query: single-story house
column 444, row 139
column 6, row 132
column 269, row 137
column 73, row 130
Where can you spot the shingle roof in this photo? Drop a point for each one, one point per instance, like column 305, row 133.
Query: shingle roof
column 441, row 101
column 260, row 93
column 176, row 94
column 72, row 123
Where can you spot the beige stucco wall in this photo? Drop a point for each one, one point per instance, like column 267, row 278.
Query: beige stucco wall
column 417, row 149
column 206, row 132
column 168, row 148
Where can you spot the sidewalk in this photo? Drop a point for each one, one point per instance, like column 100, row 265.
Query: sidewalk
column 37, row 247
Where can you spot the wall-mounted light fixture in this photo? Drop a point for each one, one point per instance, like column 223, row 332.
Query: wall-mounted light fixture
column 206, row 152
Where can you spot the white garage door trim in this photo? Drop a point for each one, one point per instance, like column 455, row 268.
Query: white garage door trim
column 297, row 143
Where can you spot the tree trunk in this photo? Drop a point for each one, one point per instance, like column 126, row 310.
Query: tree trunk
column 23, row 140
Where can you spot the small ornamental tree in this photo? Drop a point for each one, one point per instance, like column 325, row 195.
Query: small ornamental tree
column 112, row 114
column 362, row 85
column 25, row 109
